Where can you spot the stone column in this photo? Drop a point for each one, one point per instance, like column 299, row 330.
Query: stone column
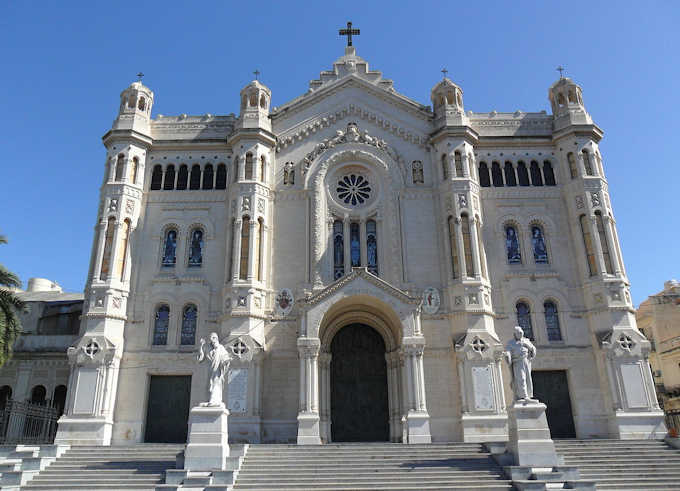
column 251, row 250
column 466, row 164
column 461, row 248
column 263, row 252
column 112, row 168
column 114, row 249
column 236, row 250
column 474, row 241
column 325, row 398
column 362, row 242
column 240, row 164
column 595, row 235
column 308, row 418
column 613, row 251
column 450, row 168
column 100, row 248
column 417, row 419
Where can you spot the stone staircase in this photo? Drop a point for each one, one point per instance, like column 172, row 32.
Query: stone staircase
column 129, row 468
column 374, row 466
column 624, row 464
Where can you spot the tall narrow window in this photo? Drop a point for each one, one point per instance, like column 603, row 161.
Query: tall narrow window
column 249, row 166
column 604, row 243
column 170, row 248
column 510, row 179
column 260, row 248
column 160, row 325
column 552, row 321
column 263, row 169
column 538, row 245
column 496, row 175
column 536, row 177
column 588, row 243
column 522, row 174
column 484, row 180
column 445, row 168
column 132, row 175
column 120, row 167
column 182, row 177
column 458, row 163
column 453, row 242
column 245, row 248
column 156, row 178
column 573, row 171
column 121, row 256
column 548, row 173
column 195, row 178
column 586, row 163
column 189, row 318
column 208, row 176
column 108, row 247
column 196, row 249
column 372, row 246
column 467, row 246
column 169, row 182
column 512, row 250
column 354, row 244
column 524, row 319
column 338, row 250
column 221, row 177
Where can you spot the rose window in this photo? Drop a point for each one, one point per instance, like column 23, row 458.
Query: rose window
column 353, row 189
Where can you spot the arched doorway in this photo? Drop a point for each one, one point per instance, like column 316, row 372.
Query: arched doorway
column 358, row 380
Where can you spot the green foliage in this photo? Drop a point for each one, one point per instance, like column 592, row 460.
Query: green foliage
column 10, row 304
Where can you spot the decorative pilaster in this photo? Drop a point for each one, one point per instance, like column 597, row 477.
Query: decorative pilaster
column 613, row 250
column 417, row 417
column 476, row 261
column 308, row 417
column 325, row 399
column 236, row 250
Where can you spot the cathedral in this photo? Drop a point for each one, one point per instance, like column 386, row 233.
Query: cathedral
column 364, row 259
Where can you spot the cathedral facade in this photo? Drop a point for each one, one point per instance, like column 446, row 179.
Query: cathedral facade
column 364, row 258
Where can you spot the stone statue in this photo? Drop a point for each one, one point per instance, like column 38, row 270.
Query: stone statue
column 219, row 359
column 519, row 352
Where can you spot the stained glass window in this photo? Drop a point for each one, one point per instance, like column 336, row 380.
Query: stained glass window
column 538, row 245
column 188, row 333
column 372, row 246
column 552, row 321
column 512, row 245
column 160, row 325
column 170, row 249
column 338, row 250
column 524, row 319
column 196, row 248
column 354, row 244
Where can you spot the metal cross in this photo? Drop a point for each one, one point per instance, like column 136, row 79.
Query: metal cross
column 445, row 72
column 239, row 347
column 560, row 69
column 349, row 32
column 257, row 74
column 478, row 345
column 140, row 75
column 91, row 349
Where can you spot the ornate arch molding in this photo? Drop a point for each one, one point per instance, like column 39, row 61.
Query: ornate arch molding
column 332, row 326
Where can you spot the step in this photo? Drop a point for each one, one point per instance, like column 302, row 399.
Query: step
column 388, row 487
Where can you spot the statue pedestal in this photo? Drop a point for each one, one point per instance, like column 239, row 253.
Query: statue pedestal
column 529, row 436
column 208, row 446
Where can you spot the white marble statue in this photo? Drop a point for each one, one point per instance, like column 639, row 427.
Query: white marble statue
column 519, row 353
column 219, row 359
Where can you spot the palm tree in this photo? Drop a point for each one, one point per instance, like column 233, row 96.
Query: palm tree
column 10, row 304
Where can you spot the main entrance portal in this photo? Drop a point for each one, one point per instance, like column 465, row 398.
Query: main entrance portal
column 359, row 405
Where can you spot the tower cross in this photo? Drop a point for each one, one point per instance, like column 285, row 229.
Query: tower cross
column 349, row 32
column 445, row 72
column 560, row 69
column 140, row 75
column 257, row 74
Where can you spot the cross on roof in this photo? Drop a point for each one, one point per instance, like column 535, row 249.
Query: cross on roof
column 349, row 32
column 140, row 75
column 560, row 69
column 257, row 74
column 445, row 72
column 91, row 349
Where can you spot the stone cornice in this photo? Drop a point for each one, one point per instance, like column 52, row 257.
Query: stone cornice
column 264, row 136
column 591, row 131
column 465, row 132
column 125, row 136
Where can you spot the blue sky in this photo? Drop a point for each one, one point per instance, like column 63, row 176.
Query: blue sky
column 64, row 65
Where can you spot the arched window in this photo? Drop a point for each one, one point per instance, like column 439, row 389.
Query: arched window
column 196, row 248
column 121, row 256
column 484, row 180
column 372, row 247
column 253, row 99
column 142, row 104
column 169, row 182
column 458, row 161
column 221, row 177
column 510, row 179
column 548, row 173
column 524, row 319
column 453, row 242
column 59, row 399
column 5, row 395
column 160, row 325
column 245, row 248
column 188, row 331
column 512, row 249
column 552, row 321
column 572, row 96
column 445, row 168
column 561, row 100
column 354, row 245
column 496, row 175
column 263, row 169
column 182, row 177
column 536, row 177
column 522, row 174
column 467, row 245
column 120, row 168
column 604, row 243
column 417, row 172
column 588, row 243
column 249, row 166
column 39, row 395
column 449, row 97
column 573, row 172
column 131, row 102
column 108, row 247
column 170, row 248
column 156, row 178
column 208, row 176
column 195, row 177
column 338, row 250
column 538, row 245
column 132, row 175
column 586, row 163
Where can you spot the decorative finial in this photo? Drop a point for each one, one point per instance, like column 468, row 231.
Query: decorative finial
column 445, row 72
column 257, row 74
column 140, row 75
column 349, row 32
column 560, row 69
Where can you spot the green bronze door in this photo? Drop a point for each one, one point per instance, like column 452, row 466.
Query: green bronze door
column 359, row 407
column 552, row 389
column 167, row 413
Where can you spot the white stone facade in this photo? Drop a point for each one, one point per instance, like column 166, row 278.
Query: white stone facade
column 354, row 204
